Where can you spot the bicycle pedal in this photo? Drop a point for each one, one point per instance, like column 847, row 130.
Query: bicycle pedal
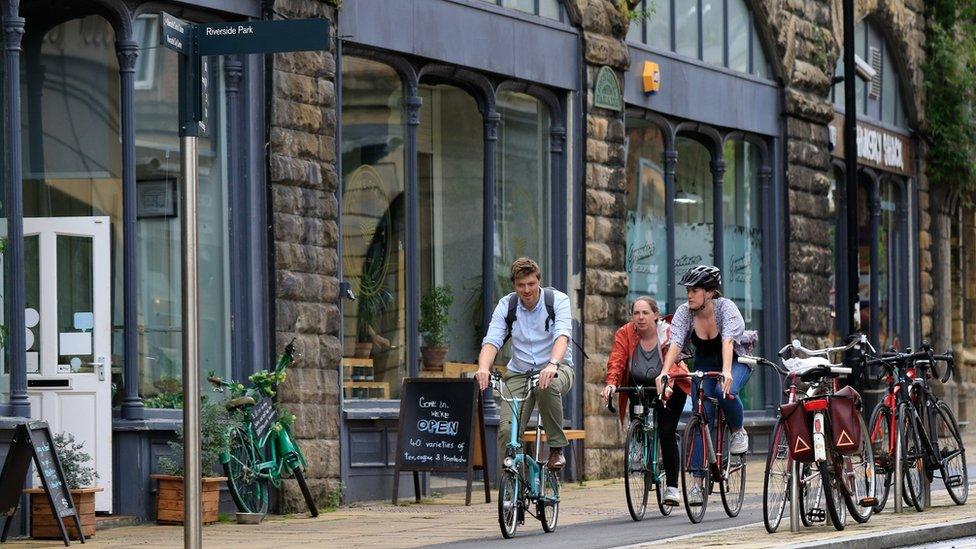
column 868, row 501
column 817, row 515
column 953, row 481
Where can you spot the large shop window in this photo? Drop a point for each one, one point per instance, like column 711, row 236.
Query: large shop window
column 694, row 226
column 550, row 9
column 72, row 167
column 450, row 162
column 647, row 226
column 373, row 229
column 718, row 32
column 692, row 230
column 450, row 148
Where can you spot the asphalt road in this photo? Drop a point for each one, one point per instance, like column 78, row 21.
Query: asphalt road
column 616, row 532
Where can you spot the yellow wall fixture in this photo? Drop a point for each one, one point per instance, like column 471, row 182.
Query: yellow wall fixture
column 651, row 77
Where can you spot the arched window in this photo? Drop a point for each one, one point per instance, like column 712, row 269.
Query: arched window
column 718, row 32
column 880, row 98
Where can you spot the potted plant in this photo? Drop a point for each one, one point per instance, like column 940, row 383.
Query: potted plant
column 80, row 478
column 434, row 314
column 214, row 425
column 373, row 300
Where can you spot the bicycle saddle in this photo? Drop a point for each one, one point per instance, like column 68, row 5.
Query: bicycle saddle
column 239, row 402
column 814, row 366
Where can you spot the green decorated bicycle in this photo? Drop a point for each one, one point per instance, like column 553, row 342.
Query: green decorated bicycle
column 261, row 448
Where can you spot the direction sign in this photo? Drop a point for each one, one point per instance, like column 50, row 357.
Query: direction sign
column 262, row 36
column 176, row 35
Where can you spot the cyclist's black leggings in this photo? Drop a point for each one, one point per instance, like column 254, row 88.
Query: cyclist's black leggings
column 667, row 423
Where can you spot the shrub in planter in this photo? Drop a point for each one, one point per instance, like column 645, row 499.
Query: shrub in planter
column 214, row 424
column 434, row 315
column 80, row 478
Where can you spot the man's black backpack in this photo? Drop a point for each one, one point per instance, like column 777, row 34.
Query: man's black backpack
column 549, row 298
column 513, row 299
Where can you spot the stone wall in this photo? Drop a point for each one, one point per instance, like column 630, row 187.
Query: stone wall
column 304, row 185
column 605, row 282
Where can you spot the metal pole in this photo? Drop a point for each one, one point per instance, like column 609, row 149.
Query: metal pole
column 795, row 497
column 192, row 537
column 899, row 472
column 850, row 168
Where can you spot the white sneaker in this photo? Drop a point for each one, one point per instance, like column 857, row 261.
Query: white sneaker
column 739, row 443
column 671, row 496
column 695, row 497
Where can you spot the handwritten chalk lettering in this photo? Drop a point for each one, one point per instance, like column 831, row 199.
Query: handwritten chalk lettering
column 440, row 414
column 424, row 403
column 438, row 427
column 415, row 442
column 441, row 444
column 423, row 458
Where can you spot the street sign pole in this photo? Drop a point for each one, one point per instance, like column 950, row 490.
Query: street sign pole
column 193, row 42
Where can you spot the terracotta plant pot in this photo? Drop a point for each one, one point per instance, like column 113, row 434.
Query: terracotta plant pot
column 169, row 499
column 434, row 358
column 362, row 349
column 45, row 526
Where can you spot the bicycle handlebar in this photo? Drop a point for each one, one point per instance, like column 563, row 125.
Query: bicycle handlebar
column 891, row 360
column 795, row 347
column 632, row 390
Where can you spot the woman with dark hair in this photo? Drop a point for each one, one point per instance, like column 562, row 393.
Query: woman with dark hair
column 712, row 327
column 636, row 359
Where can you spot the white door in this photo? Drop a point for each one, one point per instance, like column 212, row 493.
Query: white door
column 67, row 266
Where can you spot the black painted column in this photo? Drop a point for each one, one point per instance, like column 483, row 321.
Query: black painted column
column 492, row 119
column 557, row 190
column 875, row 297
column 412, row 104
column 771, row 392
column 35, row 95
column 132, row 407
column 13, row 33
column 670, row 165
column 233, row 72
column 718, row 245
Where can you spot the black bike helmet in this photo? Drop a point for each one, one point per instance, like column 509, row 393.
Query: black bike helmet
column 705, row 277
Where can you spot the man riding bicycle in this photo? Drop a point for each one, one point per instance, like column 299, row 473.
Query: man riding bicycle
column 539, row 324
column 714, row 327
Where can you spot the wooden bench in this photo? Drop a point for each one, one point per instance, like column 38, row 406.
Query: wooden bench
column 571, row 435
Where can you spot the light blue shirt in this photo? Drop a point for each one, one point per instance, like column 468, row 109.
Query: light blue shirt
column 531, row 343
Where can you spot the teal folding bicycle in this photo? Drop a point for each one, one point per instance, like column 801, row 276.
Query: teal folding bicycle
column 642, row 452
column 524, row 482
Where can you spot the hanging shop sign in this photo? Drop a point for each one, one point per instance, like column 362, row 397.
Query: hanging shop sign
column 876, row 147
column 606, row 90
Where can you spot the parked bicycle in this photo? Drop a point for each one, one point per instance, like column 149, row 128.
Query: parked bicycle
column 704, row 463
column 835, row 472
column 524, row 480
column 255, row 459
column 926, row 426
column 643, row 459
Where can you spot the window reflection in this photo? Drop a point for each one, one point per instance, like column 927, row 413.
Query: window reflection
column 646, row 225
column 373, row 229
column 693, row 210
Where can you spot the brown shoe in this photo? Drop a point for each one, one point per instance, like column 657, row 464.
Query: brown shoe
column 556, row 459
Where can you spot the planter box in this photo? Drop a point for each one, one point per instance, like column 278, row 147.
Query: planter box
column 43, row 525
column 169, row 499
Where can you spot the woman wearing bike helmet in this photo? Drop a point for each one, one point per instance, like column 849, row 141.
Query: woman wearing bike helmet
column 713, row 327
column 636, row 359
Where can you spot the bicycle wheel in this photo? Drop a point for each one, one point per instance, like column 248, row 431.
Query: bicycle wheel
column 309, row 501
column 660, row 479
column 884, row 458
column 508, row 503
column 776, row 484
column 248, row 488
column 548, row 507
column 636, row 475
column 912, row 458
column 811, row 496
column 732, row 486
column 832, row 494
column 859, row 480
column 953, row 454
column 694, row 476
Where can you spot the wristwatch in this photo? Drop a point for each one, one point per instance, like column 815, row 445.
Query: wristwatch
column 554, row 363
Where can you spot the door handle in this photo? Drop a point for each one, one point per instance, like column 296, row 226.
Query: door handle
column 99, row 367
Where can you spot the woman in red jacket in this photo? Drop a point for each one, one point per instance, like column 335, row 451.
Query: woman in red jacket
column 636, row 359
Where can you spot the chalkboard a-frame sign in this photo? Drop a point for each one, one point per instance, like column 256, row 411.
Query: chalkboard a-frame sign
column 442, row 429
column 34, row 439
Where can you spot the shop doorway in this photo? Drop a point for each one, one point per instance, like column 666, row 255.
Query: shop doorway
column 67, row 278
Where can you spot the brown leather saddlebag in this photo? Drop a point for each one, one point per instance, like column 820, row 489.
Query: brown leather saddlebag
column 845, row 424
column 797, row 431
